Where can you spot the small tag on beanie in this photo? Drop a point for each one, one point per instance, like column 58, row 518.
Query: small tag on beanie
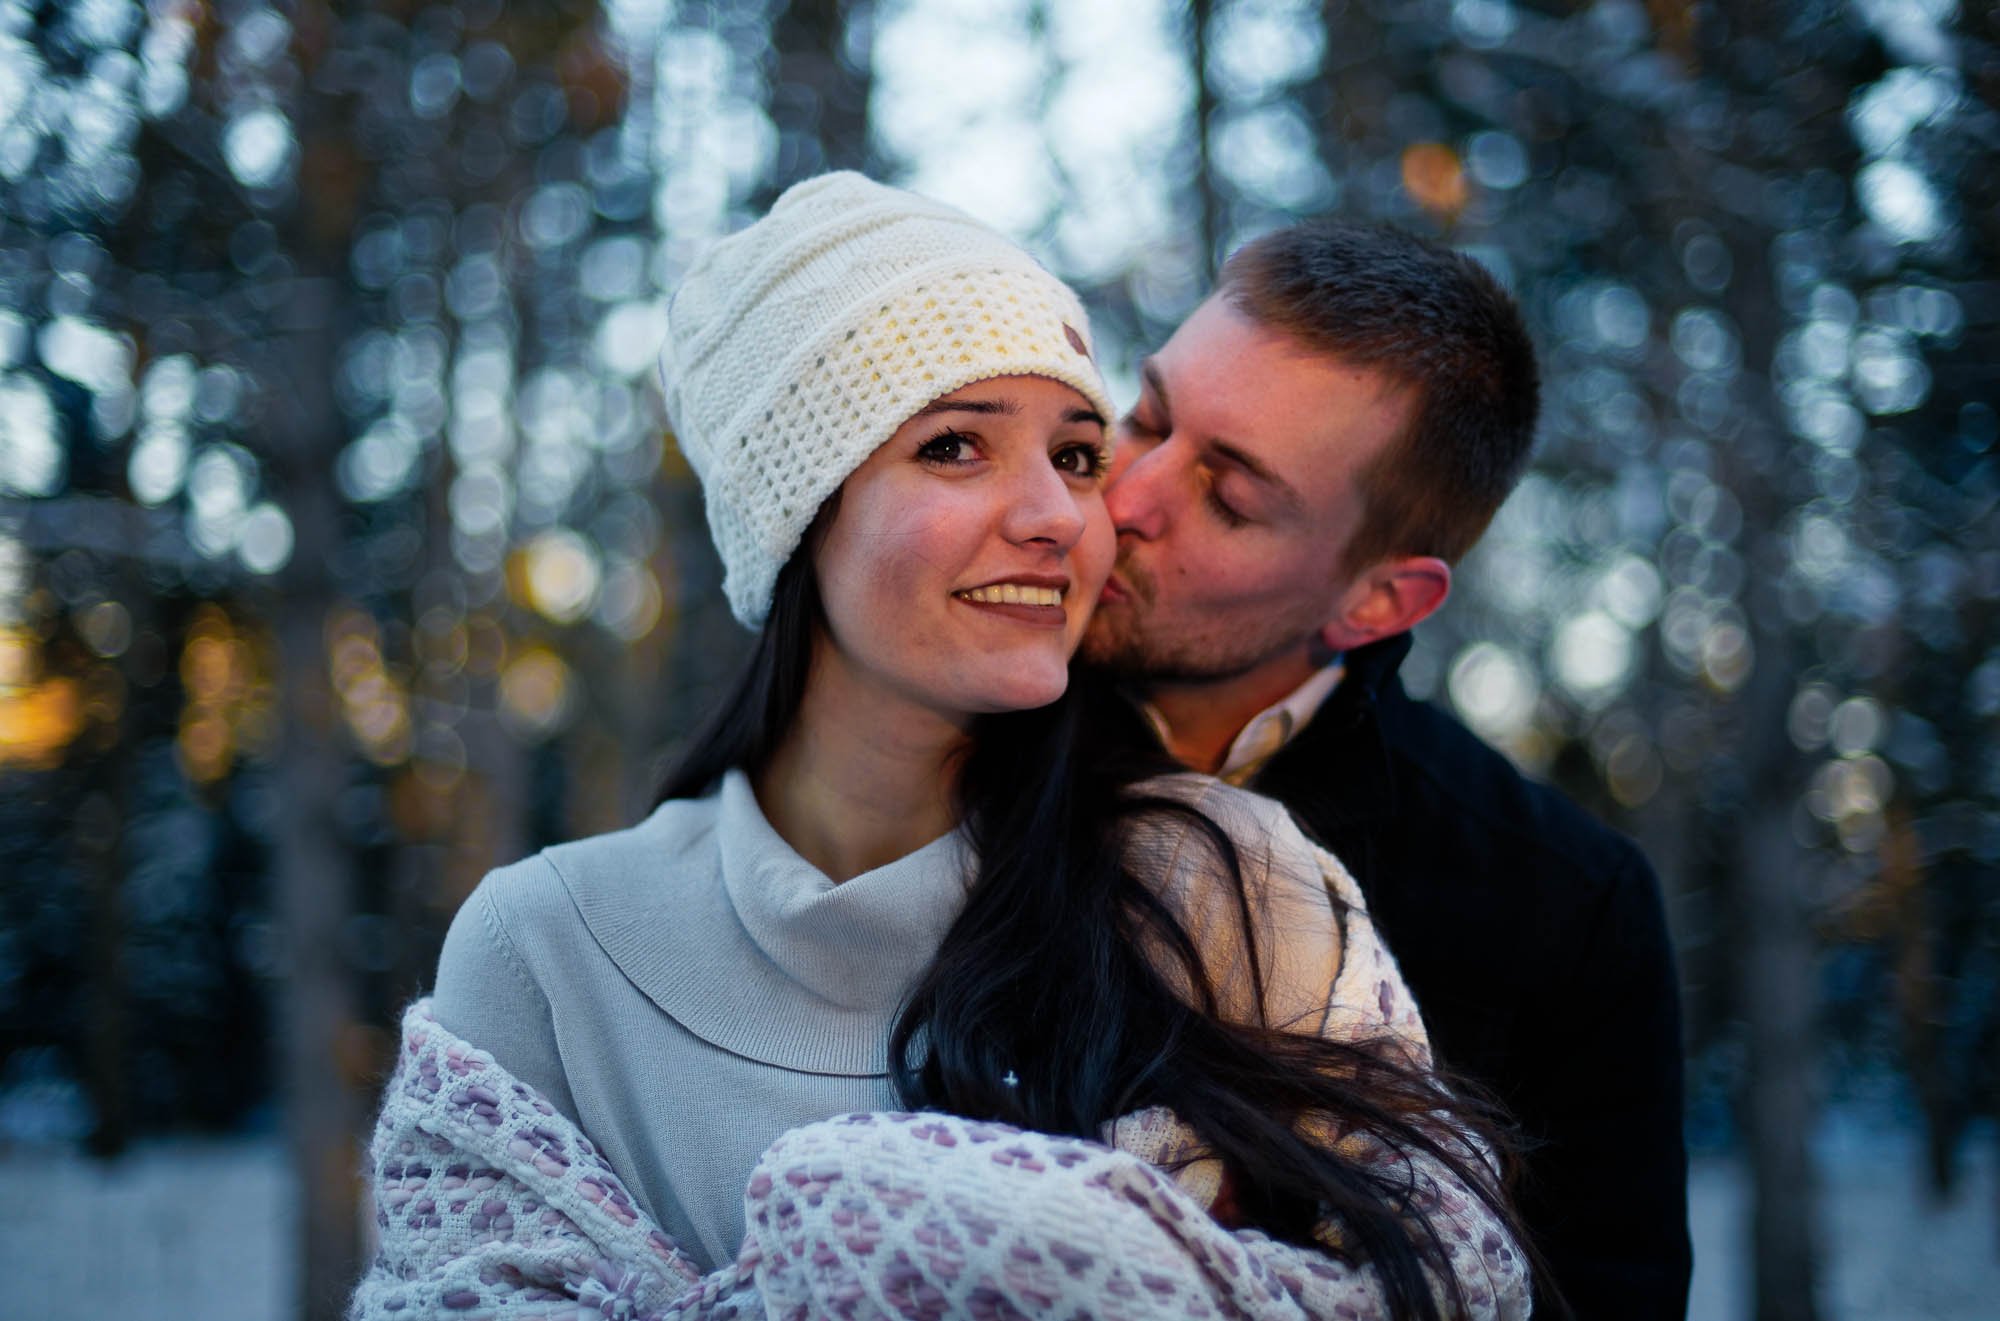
column 1075, row 340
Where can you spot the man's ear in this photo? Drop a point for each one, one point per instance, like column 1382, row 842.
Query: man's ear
column 1392, row 597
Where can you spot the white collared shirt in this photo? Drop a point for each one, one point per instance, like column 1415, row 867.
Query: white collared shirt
column 1270, row 729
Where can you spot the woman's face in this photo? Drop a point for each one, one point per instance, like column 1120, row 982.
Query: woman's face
column 964, row 557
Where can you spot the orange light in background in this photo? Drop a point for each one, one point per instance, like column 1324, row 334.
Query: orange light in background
column 352, row 649
column 485, row 646
column 1674, row 21
column 1435, row 178
column 210, row 677
column 418, row 808
column 558, row 574
column 39, row 717
column 373, row 697
column 226, row 676
column 205, row 745
column 213, row 668
column 535, row 694
column 593, row 78
column 38, row 724
column 442, row 640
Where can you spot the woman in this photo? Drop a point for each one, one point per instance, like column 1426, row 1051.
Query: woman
column 899, row 871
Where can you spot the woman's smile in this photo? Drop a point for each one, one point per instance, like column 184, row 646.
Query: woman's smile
column 962, row 562
column 1034, row 600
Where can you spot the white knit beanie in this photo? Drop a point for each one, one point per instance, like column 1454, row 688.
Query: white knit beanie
column 797, row 346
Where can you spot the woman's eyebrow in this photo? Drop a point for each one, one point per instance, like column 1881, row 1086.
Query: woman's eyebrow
column 985, row 407
column 1001, row 408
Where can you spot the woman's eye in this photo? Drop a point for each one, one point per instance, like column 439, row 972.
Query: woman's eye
column 1079, row 460
column 948, row 448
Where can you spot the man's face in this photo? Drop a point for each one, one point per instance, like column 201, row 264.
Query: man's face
column 1233, row 489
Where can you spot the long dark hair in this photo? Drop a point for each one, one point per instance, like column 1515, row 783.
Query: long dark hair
column 1046, row 1006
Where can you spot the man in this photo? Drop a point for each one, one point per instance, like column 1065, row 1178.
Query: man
column 1311, row 452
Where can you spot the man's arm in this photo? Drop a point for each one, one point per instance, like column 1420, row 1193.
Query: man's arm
column 1607, row 1186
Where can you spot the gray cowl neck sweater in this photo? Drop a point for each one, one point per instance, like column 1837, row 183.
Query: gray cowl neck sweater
column 691, row 988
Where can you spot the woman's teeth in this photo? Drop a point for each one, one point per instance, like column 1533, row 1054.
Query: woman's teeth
column 1012, row 594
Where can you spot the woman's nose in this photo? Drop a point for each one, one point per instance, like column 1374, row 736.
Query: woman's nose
column 1043, row 507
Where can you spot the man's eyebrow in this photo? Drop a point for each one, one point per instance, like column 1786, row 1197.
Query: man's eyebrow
column 1258, row 469
column 1230, row 453
column 985, row 407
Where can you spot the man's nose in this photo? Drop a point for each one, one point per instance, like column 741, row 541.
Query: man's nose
column 1138, row 491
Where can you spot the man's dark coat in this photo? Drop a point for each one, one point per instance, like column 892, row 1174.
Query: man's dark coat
column 1534, row 940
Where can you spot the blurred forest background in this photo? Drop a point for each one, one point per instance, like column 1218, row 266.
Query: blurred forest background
column 343, row 554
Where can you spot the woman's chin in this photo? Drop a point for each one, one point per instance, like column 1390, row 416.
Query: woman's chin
column 1024, row 690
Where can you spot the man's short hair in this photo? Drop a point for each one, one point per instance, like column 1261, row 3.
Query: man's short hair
column 1432, row 319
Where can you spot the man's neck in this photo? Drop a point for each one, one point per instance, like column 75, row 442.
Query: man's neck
column 855, row 786
column 1203, row 718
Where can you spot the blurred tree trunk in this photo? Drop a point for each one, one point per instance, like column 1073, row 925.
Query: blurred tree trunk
column 819, row 96
column 1974, row 919
column 1778, row 974
column 314, row 884
column 102, row 822
column 322, row 1060
column 1778, row 988
column 1348, row 99
column 1755, row 60
column 100, row 819
column 1201, row 15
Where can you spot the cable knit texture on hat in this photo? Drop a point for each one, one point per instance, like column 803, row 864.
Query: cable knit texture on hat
column 798, row 345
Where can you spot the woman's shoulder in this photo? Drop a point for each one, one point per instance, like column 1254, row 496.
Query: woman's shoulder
column 1261, row 830
column 534, row 931
column 678, row 830
column 1269, row 917
column 526, row 906
column 1270, row 843
column 1236, row 810
column 1326, row 957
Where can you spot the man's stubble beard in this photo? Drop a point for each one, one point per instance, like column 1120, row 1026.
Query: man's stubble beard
column 1120, row 643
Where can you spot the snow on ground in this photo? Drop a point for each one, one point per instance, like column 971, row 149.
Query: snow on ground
column 172, row 1229
column 1889, row 1251
column 205, row 1229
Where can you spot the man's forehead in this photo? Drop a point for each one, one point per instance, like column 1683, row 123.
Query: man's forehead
column 1271, row 398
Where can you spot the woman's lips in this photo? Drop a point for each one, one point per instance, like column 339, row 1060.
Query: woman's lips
column 1018, row 593
column 1031, row 599
column 1044, row 616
